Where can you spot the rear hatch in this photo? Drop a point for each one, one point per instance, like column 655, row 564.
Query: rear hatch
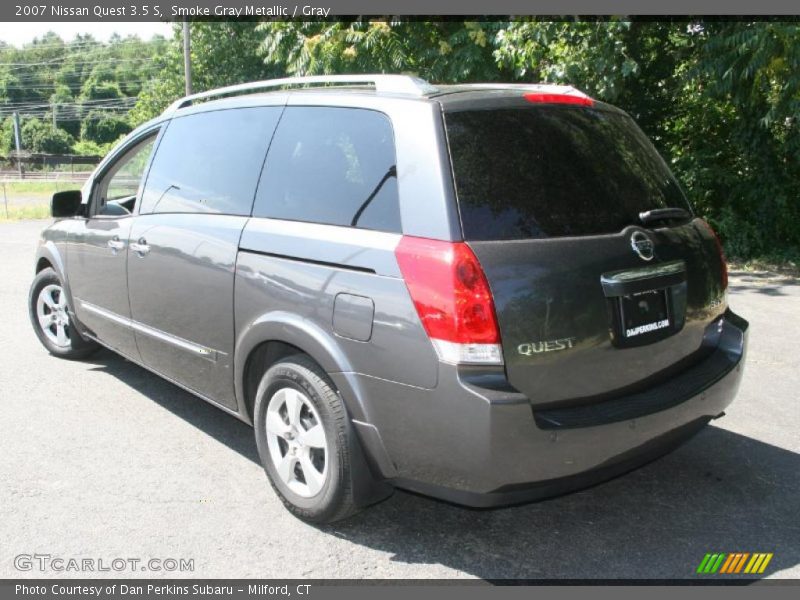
column 592, row 301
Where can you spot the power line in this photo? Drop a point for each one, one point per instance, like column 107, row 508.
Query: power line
column 82, row 102
column 50, row 77
column 67, row 61
column 129, row 41
column 126, row 44
column 72, row 105
column 76, row 107
column 51, row 86
column 69, row 111
column 74, row 41
column 136, row 73
column 74, row 113
column 35, row 89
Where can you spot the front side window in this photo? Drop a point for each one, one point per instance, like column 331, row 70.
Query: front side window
column 125, row 181
column 117, row 189
column 331, row 165
column 210, row 162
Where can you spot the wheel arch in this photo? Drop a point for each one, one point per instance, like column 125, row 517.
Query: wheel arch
column 275, row 335
column 42, row 264
column 48, row 255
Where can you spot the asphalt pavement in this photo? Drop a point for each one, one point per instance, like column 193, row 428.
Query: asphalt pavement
column 103, row 460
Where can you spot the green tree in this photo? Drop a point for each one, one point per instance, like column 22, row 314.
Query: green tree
column 7, row 144
column 753, row 71
column 223, row 53
column 77, row 76
column 61, row 100
column 447, row 51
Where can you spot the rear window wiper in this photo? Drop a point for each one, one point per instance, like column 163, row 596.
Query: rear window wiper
column 664, row 214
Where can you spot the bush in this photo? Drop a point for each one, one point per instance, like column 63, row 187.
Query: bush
column 101, row 128
column 40, row 136
column 89, row 148
column 100, row 90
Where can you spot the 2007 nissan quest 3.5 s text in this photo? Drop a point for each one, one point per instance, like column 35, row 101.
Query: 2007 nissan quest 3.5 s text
column 484, row 293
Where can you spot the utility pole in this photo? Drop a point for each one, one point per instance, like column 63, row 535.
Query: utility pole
column 55, row 108
column 18, row 143
column 187, row 57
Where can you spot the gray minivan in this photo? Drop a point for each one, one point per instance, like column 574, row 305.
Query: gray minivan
column 484, row 293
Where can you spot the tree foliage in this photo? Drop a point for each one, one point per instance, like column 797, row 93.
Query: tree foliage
column 440, row 51
column 720, row 99
column 81, row 80
column 222, row 53
column 102, row 128
column 41, row 136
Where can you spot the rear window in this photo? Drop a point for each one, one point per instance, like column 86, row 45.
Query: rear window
column 554, row 171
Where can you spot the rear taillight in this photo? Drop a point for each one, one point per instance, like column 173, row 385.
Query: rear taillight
column 721, row 252
column 452, row 298
column 581, row 100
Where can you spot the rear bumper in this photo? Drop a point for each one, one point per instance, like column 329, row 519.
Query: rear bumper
column 483, row 445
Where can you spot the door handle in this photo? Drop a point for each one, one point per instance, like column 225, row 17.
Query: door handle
column 116, row 244
column 140, row 247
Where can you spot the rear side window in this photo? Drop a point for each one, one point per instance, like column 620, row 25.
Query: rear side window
column 333, row 166
column 210, row 162
column 554, row 171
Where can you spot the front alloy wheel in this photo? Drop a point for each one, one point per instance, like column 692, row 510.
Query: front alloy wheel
column 51, row 320
column 51, row 311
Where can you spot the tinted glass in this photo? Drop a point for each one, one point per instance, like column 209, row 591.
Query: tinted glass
column 210, row 162
column 331, row 165
column 554, row 171
column 127, row 174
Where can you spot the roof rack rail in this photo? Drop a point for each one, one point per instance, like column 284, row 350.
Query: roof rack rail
column 392, row 84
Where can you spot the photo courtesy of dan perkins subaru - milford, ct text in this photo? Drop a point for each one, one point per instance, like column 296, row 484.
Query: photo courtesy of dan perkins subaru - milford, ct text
column 149, row 589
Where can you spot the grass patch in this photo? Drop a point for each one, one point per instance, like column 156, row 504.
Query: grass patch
column 37, row 188
column 20, row 213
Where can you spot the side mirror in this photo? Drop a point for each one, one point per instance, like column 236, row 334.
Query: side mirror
column 65, row 204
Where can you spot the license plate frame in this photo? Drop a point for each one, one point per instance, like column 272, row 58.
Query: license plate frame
column 645, row 316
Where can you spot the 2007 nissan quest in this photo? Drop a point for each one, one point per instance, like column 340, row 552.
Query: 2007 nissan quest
column 484, row 293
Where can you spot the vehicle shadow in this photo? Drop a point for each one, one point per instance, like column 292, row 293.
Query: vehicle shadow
column 720, row 492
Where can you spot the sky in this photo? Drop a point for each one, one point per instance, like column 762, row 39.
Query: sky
column 22, row 33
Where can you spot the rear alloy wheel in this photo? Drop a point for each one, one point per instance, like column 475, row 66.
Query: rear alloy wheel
column 297, row 443
column 303, row 437
column 51, row 320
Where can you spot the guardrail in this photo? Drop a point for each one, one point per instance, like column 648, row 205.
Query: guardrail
column 48, row 166
column 66, row 176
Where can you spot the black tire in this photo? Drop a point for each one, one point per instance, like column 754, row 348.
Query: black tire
column 77, row 347
column 334, row 501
